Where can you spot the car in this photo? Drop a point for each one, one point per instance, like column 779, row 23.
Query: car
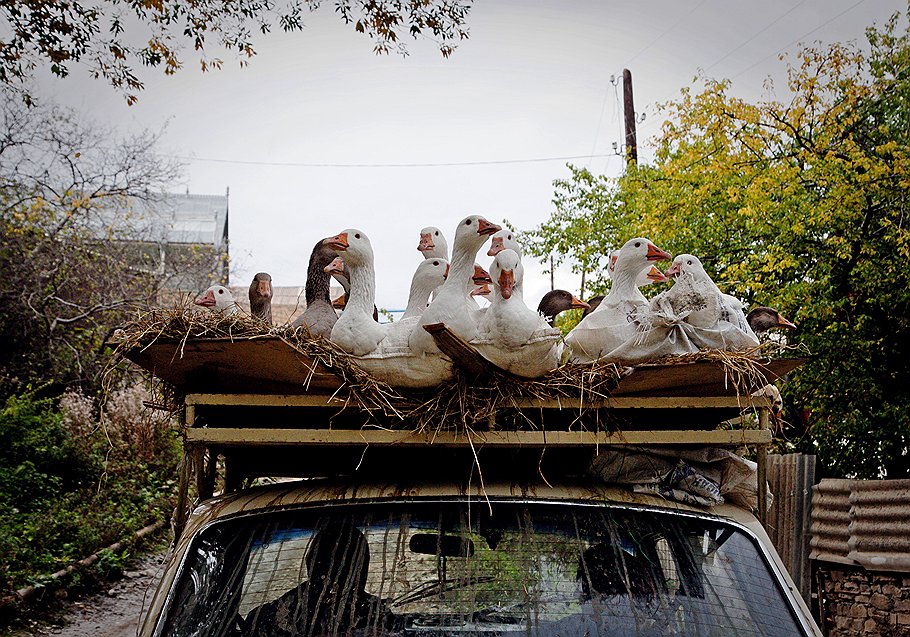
column 374, row 555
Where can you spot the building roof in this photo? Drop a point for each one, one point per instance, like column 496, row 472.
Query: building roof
column 167, row 218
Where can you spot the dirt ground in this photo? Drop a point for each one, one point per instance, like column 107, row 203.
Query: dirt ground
column 113, row 613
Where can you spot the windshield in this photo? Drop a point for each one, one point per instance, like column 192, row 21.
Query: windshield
column 452, row 568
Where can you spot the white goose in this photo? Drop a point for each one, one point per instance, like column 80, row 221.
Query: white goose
column 453, row 304
column 381, row 349
column 433, row 244
column 511, row 335
column 217, row 298
column 503, row 240
column 612, row 323
column 430, row 274
column 355, row 331
column 730, row 309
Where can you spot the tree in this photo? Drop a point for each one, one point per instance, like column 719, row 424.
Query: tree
column 70, row 242
column 801, row 204
column 113, row 36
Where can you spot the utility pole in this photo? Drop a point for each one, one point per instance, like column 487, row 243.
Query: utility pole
column 628, row 108
column 552, row 281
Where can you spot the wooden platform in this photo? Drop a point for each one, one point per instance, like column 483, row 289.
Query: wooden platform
column 268, row 365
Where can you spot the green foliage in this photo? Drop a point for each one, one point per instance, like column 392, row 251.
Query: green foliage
column 105, row 35
column 69, row 487
column 798, row 204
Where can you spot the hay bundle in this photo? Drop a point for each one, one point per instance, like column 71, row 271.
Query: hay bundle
column 463, row 405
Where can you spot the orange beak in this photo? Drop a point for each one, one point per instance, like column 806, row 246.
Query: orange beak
column 445, row 275
column 656, row 275
column 484, row 227
column 481, row 276
column 506, row 283
column 206, row 301
column 335, row 267
column 656, row 254
column 338, row 242
column 496, row 247
column 265, row 288
column 426, row 242
column 481, row 290
column 340, row 302
column 578, row 304
column 673, row 270
column 613, row 262
column 783, row 322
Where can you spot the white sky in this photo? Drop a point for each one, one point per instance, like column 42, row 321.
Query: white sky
column 532, row 82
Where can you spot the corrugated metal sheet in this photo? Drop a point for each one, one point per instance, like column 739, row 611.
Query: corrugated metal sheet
column 830, row 528
column 790, row 478
column 165, row 218
column 865, row 522
column 880, row 524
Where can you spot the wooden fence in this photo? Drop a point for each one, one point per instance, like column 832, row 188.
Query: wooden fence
column 790, row 479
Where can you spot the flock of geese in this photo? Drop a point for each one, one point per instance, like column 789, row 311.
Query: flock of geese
column 624, row 325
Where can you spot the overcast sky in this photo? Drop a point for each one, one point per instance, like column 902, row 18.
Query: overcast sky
column 318, row 134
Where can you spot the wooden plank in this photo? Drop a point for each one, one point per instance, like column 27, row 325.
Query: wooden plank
column 619, row 402
column 232, row 436
column 701, row 378
column 461, row 353
column 263, row 364
column 264, row 400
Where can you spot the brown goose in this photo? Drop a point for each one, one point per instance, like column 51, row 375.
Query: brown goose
column 556, row 301
column 319, row 316
column 762, row 318
column 261, row 297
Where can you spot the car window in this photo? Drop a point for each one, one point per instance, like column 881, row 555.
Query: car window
column 449, row 568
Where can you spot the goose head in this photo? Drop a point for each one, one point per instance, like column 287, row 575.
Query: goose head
column 556, row 301
column 762, row 318
column 507, row 273
column 260, row 295
column 431, row 273
column 356, row 247
column 502, row 240
column 635, row 256
column 218, row 299
column 433, row 244
column 687, row 264
column 472, row 232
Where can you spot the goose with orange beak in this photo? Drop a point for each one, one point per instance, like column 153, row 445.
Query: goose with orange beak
column 433, row 244
column 613, row 322
column 452, row 304
column 382, row 348
column 511, row 335
column 217, row 298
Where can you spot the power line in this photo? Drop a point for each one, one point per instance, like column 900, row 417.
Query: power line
column 246, row 162
column 774, row 53
column 804, row 35
column 768, row 26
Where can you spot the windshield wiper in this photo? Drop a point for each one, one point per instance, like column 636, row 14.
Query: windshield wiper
column 428, row 589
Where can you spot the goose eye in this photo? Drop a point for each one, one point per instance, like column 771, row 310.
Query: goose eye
column 688, row 263
column 436, row 233
column 220, row 291
column 638, row 244
column 467, row 222
column 357, row 236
